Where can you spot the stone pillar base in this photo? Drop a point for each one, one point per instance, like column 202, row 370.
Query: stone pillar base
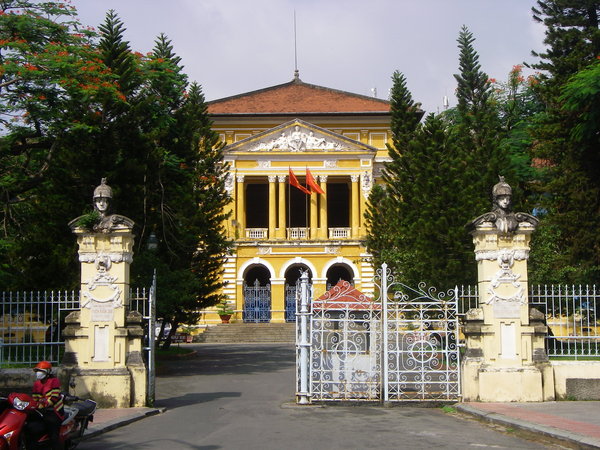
column 522, row 384
column 505, row 384
column 110, row 388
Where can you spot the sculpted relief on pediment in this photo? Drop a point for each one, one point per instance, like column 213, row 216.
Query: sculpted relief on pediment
column 297, row 139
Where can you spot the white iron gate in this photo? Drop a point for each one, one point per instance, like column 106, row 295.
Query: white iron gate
column 401, row 347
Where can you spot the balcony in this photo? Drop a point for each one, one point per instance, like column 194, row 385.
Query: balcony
column 339, row 233
column 257, row 233
column 297, row 233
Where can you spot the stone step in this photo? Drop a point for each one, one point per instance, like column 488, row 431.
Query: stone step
column 249, row 332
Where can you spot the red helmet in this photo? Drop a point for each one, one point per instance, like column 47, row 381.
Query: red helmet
column 43, row 366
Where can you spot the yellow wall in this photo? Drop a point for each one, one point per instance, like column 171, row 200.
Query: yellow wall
column 360, row 160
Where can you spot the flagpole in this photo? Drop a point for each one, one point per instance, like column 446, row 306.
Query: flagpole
column 306, row 206
column 289, row 207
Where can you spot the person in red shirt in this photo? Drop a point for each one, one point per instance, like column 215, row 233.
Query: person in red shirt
column 49, row 401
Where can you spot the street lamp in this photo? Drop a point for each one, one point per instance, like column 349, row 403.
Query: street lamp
column 152, row 243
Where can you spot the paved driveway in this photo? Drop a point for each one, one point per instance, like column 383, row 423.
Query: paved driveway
column 241, row 397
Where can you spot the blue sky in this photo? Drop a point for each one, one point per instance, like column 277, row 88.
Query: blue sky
column 235, row 46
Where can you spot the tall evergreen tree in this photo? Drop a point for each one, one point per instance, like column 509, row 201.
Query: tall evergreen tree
column 416, row 218
column 571, row 179
column 384, row 199
column 185, row 195
column 478, row 127
column 116, row 53
column 572, row 37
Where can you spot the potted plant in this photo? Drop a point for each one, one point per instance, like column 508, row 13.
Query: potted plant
column 225, row 312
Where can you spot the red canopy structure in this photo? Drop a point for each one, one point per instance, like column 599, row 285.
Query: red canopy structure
column 344, row 296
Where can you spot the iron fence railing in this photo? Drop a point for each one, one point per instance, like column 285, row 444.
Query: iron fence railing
column 468, row 298
column 31, row 325
column 32, row 322
column 571, row 312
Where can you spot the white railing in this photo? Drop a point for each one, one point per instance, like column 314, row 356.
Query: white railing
column 297, row 233
column 572, row 318
column 257, row 233
column 32, row 322
column 572, row 315
column 339, row 233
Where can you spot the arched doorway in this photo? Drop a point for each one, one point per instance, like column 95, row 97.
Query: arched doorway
column 257, row 294
column 292, row 276
column 339, row 272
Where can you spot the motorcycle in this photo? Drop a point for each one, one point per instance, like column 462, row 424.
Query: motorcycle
column 18, row 408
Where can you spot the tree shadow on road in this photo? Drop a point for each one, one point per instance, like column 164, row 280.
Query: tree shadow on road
column 232, row 359
column 193, row 399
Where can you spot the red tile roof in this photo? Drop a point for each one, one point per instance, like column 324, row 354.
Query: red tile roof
column 298, row 97
column 344, row 296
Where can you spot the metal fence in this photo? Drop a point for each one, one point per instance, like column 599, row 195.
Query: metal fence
column 31, row 325
column 571, row 313
column 144, row 301
column 572, row 318
column 32, row 322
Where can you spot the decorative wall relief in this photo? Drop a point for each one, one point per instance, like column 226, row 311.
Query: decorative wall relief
column 101, row 293
column 366, row 183
column 229, row 183
column 299, row 140
column 506, row 293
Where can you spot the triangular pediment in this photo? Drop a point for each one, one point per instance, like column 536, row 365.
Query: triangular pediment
column 298, row 136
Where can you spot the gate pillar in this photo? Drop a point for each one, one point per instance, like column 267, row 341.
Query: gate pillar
column 103, row 340
column 505, row 360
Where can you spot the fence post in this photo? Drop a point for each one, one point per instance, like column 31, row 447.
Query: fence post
column 304, row 344
column 151, row 386
column 384, row 311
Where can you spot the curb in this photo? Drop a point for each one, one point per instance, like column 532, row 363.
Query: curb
column 551, row 432
column 117, row 423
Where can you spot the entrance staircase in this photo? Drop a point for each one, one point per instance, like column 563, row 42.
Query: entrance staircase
column 243, row 333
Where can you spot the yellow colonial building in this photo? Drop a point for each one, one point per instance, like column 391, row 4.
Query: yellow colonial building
column 334, row 143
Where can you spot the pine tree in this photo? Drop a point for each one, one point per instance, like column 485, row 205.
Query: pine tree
column 381, row 222
column 416, row 218
column 478, row 127
column 116, row 53
column 570, row 185
column 185, row 193
column 572, row 37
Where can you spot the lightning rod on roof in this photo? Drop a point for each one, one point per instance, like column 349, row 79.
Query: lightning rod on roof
column 296, row 72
